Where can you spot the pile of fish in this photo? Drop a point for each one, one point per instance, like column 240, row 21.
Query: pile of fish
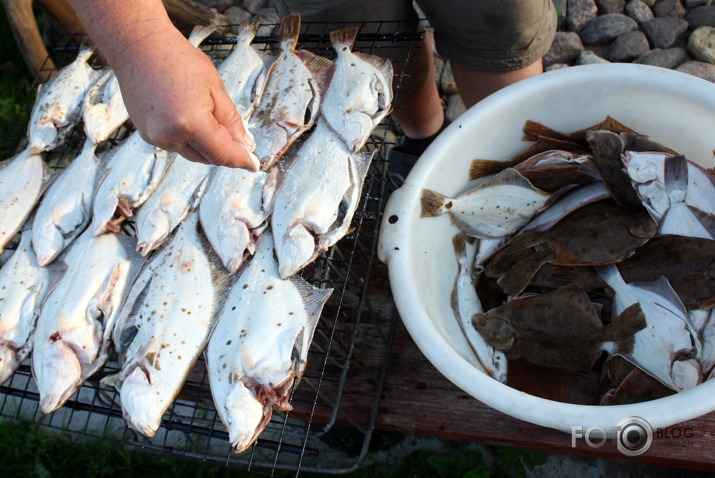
column 211, row 263
column 586, row 266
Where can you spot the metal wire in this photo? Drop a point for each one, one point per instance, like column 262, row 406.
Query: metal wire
column 191, row 427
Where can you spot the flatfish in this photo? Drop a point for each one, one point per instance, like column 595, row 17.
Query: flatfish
column 245, row 69
column 178, row 192
column 133, row 171
column 291, row 98
column 306, row 219
column 360, row 93
column 260, row 344
column 103, row 110
column 23, row 179
column 663, row 349
column 496, row 208
column 58, row 105
column 558, row 329
column 24, row 285
column 66, row 207
column 164, row 325
column 72, row 339
column 600, row 233
column 681, row 219
column 465, row 303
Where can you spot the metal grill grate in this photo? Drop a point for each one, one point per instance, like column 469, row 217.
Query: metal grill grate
column 354, row 334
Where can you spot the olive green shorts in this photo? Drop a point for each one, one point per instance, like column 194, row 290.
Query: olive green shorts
column 488, row 35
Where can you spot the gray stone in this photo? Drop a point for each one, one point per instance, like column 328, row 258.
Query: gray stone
column 455, row 107
column 446, row 80
column 270, row 17
column 607, row 27
column 706, row 71
column 564, row 49
column 628, row 47
column 254, row 6
column 650, row 3
column 701, row 16
column 438, row 67
column 556, row 66
column 701, row 44
column 696, row 3
column 668, row 58
column 664, row 32
column 580, row 13
column 669, row 8
column 236, row 15
column 639, row 11
column 587, row 57
column 611, row 6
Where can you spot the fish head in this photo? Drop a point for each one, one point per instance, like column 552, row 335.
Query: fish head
column 142, row 402
column 60, row 375
column 686, row 374
column 497, row 330
column 294, row 250
column 643, row 226
column 246, row 416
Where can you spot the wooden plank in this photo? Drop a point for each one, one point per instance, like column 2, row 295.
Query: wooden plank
column 27, row 35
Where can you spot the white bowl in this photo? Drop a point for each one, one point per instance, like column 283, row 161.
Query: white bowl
column 676, row 109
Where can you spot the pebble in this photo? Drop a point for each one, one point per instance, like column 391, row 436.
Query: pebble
column 236, row 15
column 446, row 80
column 605, row 28
column 611, row 6
column 588, row 57
column 667, row 58
column 564, row 49
column 669, row 8
column 701, row 44
column 664, row 32
column 580, row 13
column 703, row 70
column 701, row 16
column 628, row 47
column 455, row 107
column 639, row 11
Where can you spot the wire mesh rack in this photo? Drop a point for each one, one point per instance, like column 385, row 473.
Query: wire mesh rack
column 347, row 361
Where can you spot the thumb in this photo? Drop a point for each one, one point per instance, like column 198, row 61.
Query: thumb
column 227, row 116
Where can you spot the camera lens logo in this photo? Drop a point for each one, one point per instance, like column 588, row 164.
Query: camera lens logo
column 634, row 437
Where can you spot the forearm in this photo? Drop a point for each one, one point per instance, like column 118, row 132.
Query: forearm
column 118, row 27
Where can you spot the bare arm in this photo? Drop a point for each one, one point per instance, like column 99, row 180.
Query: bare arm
column 174, row 95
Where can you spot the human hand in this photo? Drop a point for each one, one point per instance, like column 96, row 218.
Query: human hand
column 178, row 102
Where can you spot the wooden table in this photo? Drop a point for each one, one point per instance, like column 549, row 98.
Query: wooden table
column 418, row 399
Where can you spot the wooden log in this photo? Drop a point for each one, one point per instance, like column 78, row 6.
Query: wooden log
column 62, row 17
column 188, row 13
column 27, row 35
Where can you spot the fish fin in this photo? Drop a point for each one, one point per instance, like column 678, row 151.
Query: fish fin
column 706, row 219
column 200, row 33
column 289, row 31
column 314, row 299
column 511, row 177
column 247, row 31
column 662, row 288
column 676, row 173
column 515, row 280
column 534, row 130
column 344, row 38
column 487, row 167
column 383, row 65
column 433, row 203
column 459, row 242
column 320, row 67
column 624, row 328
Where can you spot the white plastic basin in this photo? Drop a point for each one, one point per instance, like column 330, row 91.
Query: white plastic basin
column 673, row 108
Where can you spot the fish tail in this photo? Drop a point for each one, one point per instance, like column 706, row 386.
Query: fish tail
column 289, row 31
column 676, row 173
column 486, row 167
column 515, row 280
column 200, row 33
column 247, row 31
column 433, row 203
column 623, row 330
column 459, row 241
column 343, row 39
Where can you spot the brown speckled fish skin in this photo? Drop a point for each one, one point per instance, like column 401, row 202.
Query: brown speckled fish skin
column 687, row 262
column 558, row 329
column 599, row 233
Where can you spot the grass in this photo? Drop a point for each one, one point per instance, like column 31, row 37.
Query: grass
column 29, row 450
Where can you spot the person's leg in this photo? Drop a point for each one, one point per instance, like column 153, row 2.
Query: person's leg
column 475, row 85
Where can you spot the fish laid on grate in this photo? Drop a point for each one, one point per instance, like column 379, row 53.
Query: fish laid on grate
column 260, row 344
column 58, row 106
column 72, row 339
column 23, row 179
column 66, row 207
column 24, row 284
column 291, row 98
column 103, row 110
column 164, row 324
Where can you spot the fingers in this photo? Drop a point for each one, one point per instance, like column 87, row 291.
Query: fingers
column 214, row 143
